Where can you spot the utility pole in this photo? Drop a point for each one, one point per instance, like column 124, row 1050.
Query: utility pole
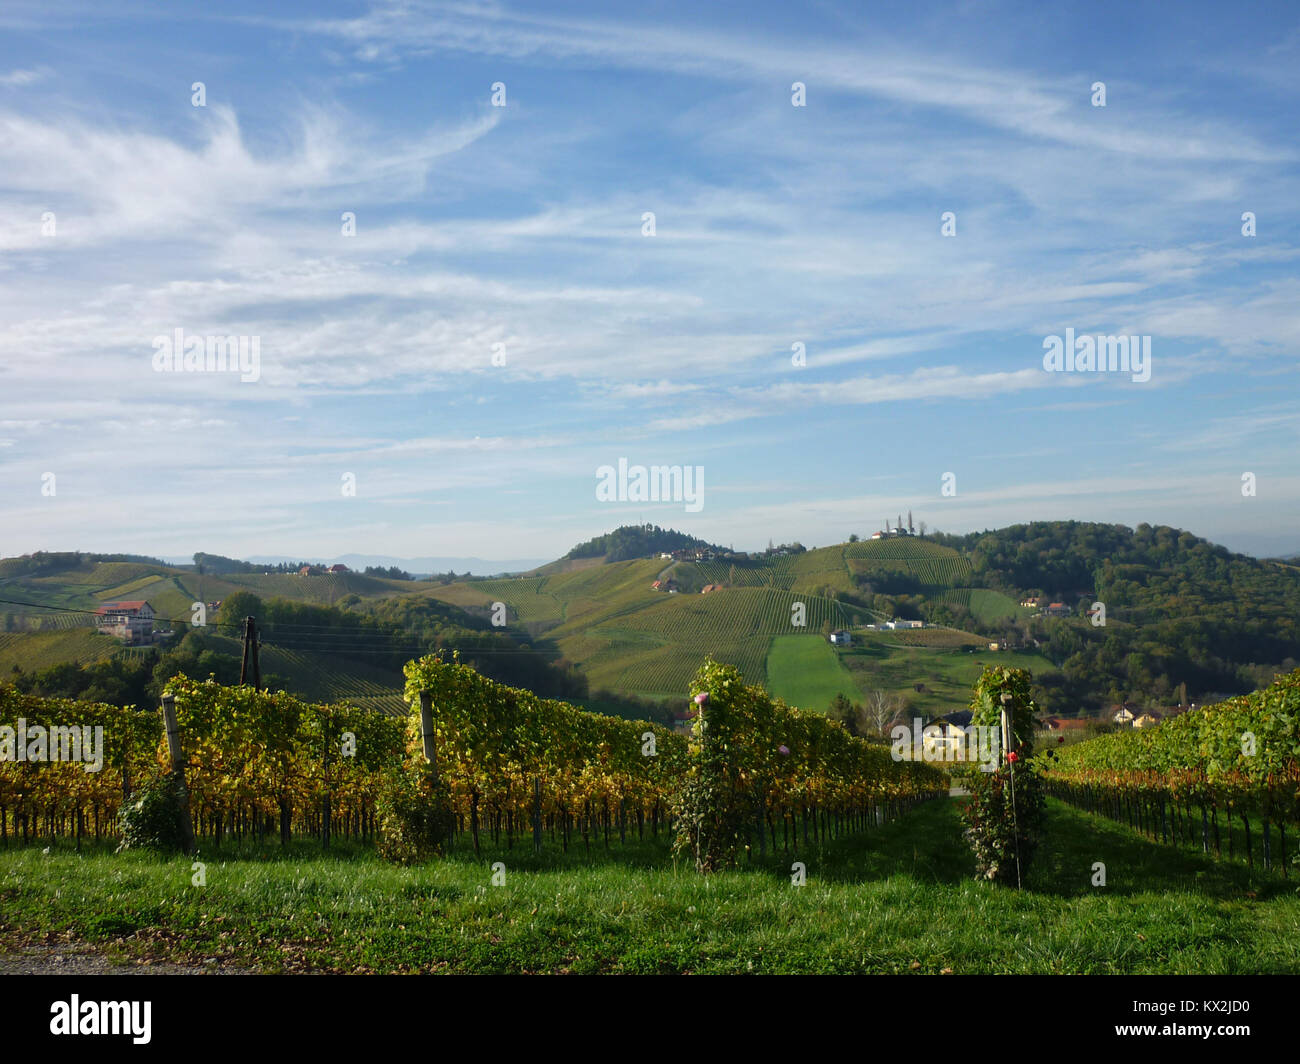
column 251, row 644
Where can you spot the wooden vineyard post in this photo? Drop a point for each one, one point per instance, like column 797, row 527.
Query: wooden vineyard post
column 537, row 814
column 126, row 762
column 426, row 733
column 473, row 817
column 328, row 811
column 177, row 756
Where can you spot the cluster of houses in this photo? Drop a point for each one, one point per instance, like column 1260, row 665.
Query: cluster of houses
column 949, row 732
column 690, row 554
column 841, row 638
column 1128, row 715
column 670, row 585
column 1045, row 608
column 320, row 570
column 1011, row 644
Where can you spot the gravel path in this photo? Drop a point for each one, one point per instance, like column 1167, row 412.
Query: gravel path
column 75, row 958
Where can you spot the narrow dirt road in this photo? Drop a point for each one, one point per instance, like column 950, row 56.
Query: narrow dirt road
column 79, row 958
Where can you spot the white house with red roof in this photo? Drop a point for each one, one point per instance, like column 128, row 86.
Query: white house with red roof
column 129, row 621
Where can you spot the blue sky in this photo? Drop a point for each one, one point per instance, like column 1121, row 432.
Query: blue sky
column 521, row 225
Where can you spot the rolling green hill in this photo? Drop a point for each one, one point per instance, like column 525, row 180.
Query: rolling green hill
column 1179, row 611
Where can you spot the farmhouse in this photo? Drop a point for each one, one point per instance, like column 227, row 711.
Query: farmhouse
column 131, row 622
column 338, row 569
column 841, row 639
column 942, row 737
column 1057, row 609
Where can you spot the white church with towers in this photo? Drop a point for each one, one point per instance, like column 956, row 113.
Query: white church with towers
column 897, row 530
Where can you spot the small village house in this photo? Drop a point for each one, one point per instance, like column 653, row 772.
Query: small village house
column 944, row 738
column 132, row 622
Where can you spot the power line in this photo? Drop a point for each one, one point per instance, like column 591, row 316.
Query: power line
column 316, row 639
column 96, row 613
column 352, row 631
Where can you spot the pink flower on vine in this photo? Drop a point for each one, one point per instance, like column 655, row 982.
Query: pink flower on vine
column 1013, row 757
column 702, row 698
column 784, row 751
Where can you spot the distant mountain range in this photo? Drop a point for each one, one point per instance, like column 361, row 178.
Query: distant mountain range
column 414, row 566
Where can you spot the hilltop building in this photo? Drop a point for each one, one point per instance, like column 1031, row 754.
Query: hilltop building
column 132, row 622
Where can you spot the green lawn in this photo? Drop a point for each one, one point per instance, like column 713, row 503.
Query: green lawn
column 947, row 675
column 805, row 670
column 897, row 899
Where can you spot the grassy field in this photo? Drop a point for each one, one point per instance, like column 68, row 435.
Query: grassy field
column 897, row 899
column 988, row 607
column 805, row 670
column 879, row 661
column 656, row 649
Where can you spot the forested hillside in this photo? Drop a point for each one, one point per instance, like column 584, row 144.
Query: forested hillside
column 1179, row 610
column 635, row 541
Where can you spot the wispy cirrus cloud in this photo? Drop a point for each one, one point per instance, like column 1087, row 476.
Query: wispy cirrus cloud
column 498, row 325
